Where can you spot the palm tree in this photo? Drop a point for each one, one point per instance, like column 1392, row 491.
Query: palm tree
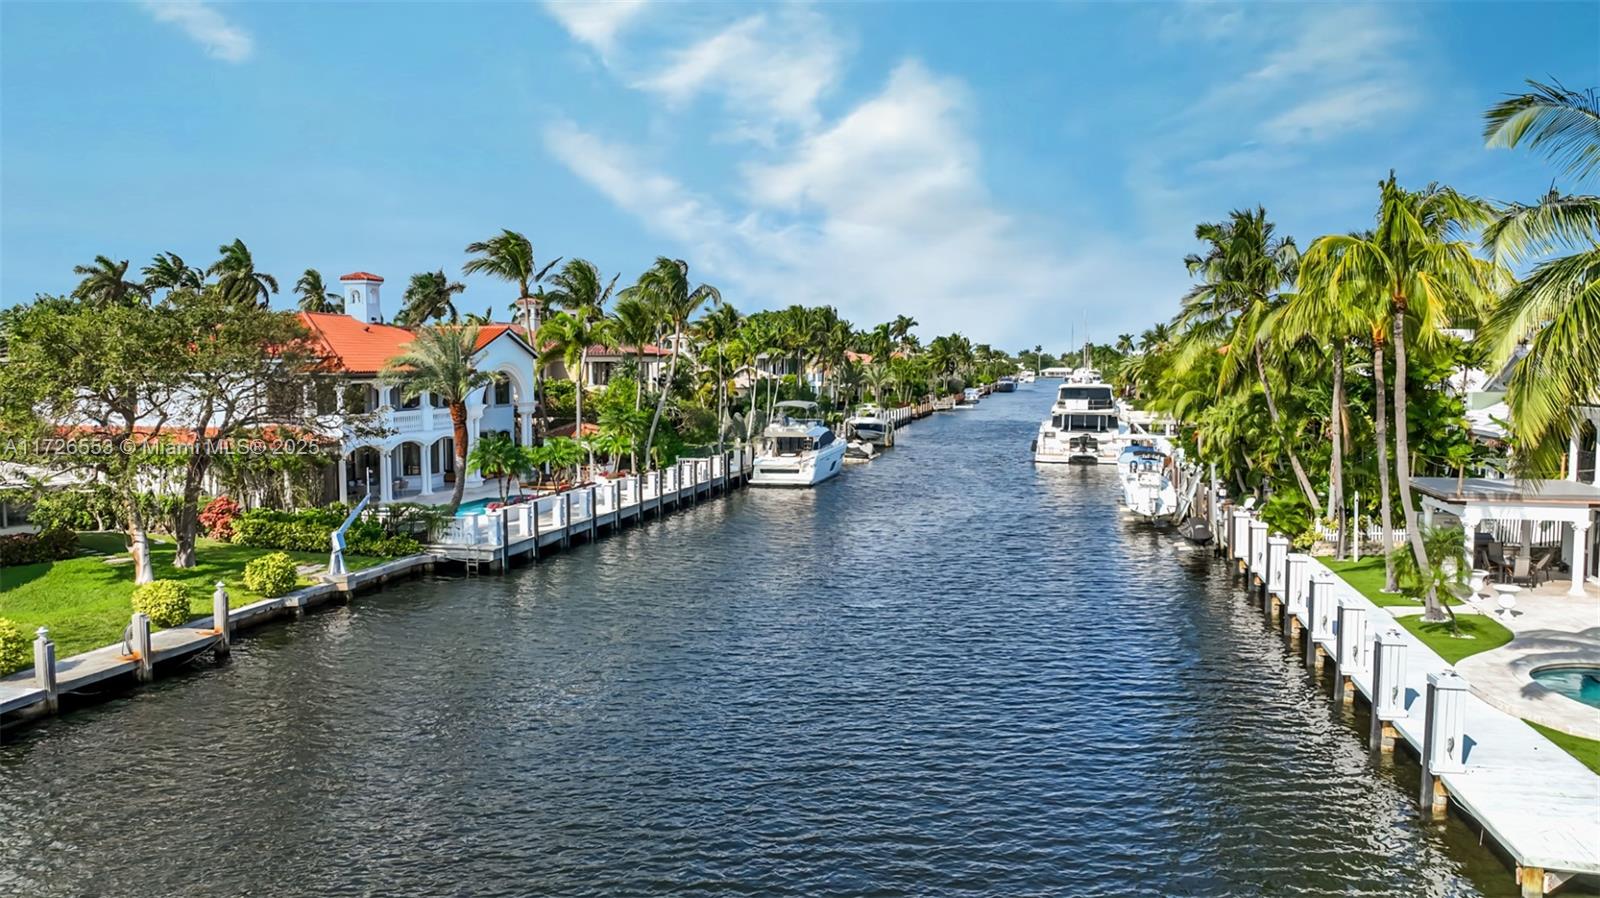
column 315, row 295
column 1242, row 275
column 168, row 271
column 567, row 338
column 509, row 257
column 900, row 331
column 237, row 277
column 666, row 286
column 439, row 362
column 716, row 333
column 1125, row 344
column 1555, row 307
column 496, row 456
column 1416, row 261
column 431, row 296
column 105, row 283
column 637, row 324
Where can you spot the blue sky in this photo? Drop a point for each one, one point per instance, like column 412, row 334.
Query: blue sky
column 1021, row 172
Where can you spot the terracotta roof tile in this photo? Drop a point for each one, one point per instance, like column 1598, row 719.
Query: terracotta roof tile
column 361, row 276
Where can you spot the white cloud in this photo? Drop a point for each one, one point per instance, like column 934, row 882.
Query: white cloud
column 770, row 69
column 205, row 26
column 597, row 23
column 880, row 212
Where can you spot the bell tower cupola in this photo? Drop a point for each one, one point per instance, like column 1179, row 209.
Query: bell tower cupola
column 361, row 296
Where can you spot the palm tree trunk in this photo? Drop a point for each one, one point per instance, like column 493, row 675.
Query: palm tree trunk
column 1385, row 512
column 1336, row 468
column 1288, row 446
column 1433, row 609
column 661, row 401
column 458, row 423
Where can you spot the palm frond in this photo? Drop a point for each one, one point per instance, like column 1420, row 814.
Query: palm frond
column 1561, row 123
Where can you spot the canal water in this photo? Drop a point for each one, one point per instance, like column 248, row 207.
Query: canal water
column 945, row 673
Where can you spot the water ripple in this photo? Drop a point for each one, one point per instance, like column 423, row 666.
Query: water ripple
column 946, row 673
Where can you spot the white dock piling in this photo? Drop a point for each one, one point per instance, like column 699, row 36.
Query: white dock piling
column 1388, row 688
column 1350, row 634
column 44, row 668
column 139, row 642
column 220, row 621
column 1444, row 739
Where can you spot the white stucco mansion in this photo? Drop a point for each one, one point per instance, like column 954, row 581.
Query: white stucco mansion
column 408, row 453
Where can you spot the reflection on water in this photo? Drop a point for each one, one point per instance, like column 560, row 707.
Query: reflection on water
column 946, row 672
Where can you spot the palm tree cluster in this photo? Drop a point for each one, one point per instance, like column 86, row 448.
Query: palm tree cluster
column 1309, row 377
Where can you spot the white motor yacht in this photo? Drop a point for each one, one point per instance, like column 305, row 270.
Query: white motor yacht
column 869, row 426
column 969, row 398
column 797, row 449
column 1082, row 428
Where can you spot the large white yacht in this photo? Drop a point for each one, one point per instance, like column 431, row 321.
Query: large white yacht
column 796, row 449
column 1082, row 428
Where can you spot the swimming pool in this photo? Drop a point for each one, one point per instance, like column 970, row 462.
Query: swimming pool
column 1577, row 683
column 476, row 506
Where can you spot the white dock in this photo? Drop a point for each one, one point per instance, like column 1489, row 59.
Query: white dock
column 1540, row 805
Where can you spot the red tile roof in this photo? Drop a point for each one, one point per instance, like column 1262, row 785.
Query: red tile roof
column 352, row 346
column 361, row 276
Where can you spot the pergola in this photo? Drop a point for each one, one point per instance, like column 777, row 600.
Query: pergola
column 1475, row 500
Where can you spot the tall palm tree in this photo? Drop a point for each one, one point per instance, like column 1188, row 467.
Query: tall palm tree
column 580, row 290
column 430, row 297
column 900, row 331
column 1418, row 260
column 440, row 362
column 509, row 257
column 716, row 334
column 637, row 324
column 1242, row 274
column 168, row 271
column 567, row 338
column 1125, row 344
column 1555, row 307
column 106, row 283
column 666, row 286
column 237, row 277
column 315, row 295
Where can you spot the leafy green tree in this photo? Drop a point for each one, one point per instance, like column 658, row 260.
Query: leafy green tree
column 440, row 362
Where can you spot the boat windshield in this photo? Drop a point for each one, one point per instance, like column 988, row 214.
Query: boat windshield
column 1097, row 397
column 1096, row 423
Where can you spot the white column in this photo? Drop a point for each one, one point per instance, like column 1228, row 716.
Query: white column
column 386, row 474
column 1469, row 523
column 344, row 477
column 525, row 410
column 425, row 404
column 1572, row 453
column 1580, row 559
column 427, row 468
column 1427, row 515
column 474, row 428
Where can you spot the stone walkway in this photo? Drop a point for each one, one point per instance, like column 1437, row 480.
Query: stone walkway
column 1551, row 629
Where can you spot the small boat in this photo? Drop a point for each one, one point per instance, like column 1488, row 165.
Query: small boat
column 1005, row 385
column 1195, row 530
column 860, row 451
column 1147, row 488
column 797, row 449
column 868, row 425
column 969, row 398
column 1028, row 377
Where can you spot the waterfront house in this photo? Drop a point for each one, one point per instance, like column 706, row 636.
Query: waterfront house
column 406, row 449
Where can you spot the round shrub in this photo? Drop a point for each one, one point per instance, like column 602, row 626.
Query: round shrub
column 217, row 518
column 270, row 575
column 165, row 601
column 15, row 652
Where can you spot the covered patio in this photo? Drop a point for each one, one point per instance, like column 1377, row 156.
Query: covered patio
column 1567, row 504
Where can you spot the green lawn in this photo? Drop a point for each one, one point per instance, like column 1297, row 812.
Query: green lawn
column 1478, row 634
column 1585, row 750
column 1366, row 576
column 85, row 602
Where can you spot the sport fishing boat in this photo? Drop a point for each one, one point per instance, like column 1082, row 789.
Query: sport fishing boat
column 1147, row 487
column 868, row 425
column 796, row 449
column 1006, row 385
column 1082, row 428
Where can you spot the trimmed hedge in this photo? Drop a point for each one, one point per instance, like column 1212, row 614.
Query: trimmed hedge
column 311, row 531
column 165, row 601
column 15, row 651
column 34, row 548
column 271, row 575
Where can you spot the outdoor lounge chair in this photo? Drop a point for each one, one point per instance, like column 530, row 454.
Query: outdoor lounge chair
column 1495, row 552
column 1540, row 570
